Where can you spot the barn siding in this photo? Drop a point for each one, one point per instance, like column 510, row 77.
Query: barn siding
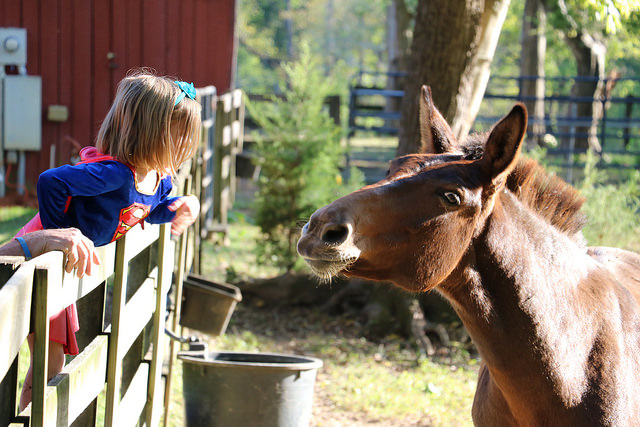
column 83, row 48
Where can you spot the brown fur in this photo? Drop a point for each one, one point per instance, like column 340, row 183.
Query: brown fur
column 557, row 324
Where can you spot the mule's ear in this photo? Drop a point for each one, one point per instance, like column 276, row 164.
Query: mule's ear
column 436, row 137
column 505, row 140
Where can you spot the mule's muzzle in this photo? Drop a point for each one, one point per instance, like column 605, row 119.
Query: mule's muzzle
column 319, row 240
column 327, row 246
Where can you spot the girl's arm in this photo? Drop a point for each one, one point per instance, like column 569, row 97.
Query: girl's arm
column 181, row 211
column 161, row 213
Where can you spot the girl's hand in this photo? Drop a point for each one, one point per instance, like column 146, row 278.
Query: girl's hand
column 187, row 209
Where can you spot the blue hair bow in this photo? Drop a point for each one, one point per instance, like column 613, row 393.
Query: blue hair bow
column 187, row 90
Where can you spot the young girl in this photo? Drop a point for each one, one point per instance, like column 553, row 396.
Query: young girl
column 152, row 127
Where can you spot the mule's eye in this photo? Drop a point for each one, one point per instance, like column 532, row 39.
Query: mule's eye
column 452, row 198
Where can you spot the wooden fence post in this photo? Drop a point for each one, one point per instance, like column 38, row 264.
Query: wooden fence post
column 40, row 345
column 114, row 370
column 228, row 143
column 165, row 270
column 179, row 279
column 129, row 319
column 15, row 320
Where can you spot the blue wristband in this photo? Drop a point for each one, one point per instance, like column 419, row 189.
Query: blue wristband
column 25, row 248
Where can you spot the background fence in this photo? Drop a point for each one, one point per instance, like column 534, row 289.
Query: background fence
column 374, row 109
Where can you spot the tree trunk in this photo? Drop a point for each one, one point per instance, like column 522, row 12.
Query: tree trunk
column 330, row 42
column 452, row 49
column 590, row 57
column 398, row 20
column 288, row 25
column 532, row 84
column 589, row 53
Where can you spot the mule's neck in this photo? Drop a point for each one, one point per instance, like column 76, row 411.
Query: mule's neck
column 515, row 291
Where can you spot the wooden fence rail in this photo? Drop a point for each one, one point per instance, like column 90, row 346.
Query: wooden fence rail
column 374, row 108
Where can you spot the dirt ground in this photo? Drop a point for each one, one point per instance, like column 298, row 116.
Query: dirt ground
column 289, row 328
column 325, row 415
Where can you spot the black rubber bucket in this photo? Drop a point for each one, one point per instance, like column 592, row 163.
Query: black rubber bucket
column 247, row 389
column 207, row 306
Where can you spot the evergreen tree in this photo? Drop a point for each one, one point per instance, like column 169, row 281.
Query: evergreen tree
column 299, row 155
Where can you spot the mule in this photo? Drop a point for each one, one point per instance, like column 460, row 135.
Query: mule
column 556, row 323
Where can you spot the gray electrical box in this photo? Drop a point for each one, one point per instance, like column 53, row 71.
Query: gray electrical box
column 13, row 46
column 22, row 107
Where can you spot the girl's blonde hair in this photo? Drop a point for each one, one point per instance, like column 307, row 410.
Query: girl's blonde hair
column 139, row 125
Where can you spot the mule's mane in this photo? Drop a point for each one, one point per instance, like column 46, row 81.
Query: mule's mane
column 548, row 195
column 551, row 197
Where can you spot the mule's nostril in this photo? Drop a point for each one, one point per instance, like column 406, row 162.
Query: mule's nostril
column 335, row 234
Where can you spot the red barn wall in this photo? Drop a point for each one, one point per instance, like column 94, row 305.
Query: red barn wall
column 83, row 48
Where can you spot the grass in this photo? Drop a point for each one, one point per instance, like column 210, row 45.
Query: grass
column 372, row 381
column 176, row 405
column 384, row 382
column 612, row 209
column 12, row 218
column 238, row 259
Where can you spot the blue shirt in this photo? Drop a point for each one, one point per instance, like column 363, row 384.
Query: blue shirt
column 99, row 197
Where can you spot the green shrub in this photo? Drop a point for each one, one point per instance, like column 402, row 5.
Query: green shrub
column 612, row 202
column 299, row 154
column 612, row 209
